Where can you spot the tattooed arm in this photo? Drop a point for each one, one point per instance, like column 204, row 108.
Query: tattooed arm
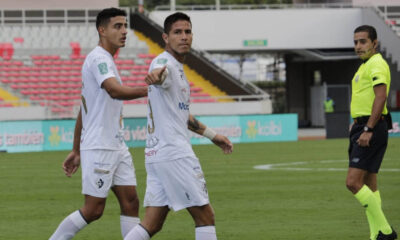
column 195, row 126
column 221, row 141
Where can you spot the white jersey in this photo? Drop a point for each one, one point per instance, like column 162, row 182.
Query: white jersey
column 101, row 114
column 168, row 135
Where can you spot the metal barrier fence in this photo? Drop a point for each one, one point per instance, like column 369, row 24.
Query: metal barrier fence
column 251, row 6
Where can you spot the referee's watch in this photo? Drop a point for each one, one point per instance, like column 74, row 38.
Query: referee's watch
column 368, row 129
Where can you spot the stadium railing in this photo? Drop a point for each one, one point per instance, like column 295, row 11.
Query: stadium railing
column 252, row 6
column 50, row 16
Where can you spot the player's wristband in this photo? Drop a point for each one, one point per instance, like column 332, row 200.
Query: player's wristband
column 209, row 133
column 164, row 75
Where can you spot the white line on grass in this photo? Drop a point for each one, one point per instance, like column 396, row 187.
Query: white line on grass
column 287, row 166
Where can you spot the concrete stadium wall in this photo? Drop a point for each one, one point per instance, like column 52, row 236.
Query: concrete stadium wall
column 22, row 113
column 283, row 29
column 57, row 4
column 140, row 110
column 215, row 109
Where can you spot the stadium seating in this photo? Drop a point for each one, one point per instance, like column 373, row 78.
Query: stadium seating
column 4, row 104
column 42, row 64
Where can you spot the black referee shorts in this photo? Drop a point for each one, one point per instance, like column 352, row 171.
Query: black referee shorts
column 368, row 158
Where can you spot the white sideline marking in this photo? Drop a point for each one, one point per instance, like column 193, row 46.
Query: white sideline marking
column 287, row 166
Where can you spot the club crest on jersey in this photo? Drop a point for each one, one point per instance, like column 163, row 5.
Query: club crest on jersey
column 103, row 68
column 357, row 77
column 100, row 183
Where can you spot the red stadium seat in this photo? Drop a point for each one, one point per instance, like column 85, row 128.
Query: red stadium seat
column 6, row 105
column 197, row 94
column 18, row 40
column 43, row 91
column 141, row 67
column 33, row 80
column 55, row 91
column 136, row 84
column 77, row 62
column 26, row 92
column 205, row 100
column 6, row 51
column 196, row 89
column 145, row 55
column 76, row 49
column 35, row 98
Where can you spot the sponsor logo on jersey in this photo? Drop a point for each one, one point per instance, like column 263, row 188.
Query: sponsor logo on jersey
column 183, row 106
column 103, row 68
column 151, row 153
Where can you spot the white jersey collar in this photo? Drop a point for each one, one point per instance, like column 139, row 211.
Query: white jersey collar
column 103, row 50
column 173, row 59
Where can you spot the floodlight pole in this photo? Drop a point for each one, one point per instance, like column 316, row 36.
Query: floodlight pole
column 172, row 5
column 217, row 5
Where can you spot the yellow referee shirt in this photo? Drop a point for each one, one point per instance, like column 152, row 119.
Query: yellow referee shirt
column 371, row 73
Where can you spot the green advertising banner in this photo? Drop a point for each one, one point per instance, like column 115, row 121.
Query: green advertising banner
column 21, row 136
column 395, row 132
column 28, row 136
column 251, row 128
column 135, row 132
column 59, row 134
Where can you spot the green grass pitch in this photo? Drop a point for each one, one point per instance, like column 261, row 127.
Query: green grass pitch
column 304, row 197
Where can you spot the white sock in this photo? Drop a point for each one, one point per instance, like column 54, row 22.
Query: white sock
column 137, row 233
column 69, row 227
column 127, row 224
column 206, row 233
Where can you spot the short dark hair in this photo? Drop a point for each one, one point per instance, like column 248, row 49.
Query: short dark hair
column 171, row 19
column 103, row 17
column 369, row 29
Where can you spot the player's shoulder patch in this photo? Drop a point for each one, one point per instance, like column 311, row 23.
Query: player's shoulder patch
column 162, row 61
column 103, row 68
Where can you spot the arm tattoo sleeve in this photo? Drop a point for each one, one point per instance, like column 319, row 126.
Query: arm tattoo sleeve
column 193, row 124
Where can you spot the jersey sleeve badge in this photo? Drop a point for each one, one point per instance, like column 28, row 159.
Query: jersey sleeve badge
column 103, row 68
column 162, row 61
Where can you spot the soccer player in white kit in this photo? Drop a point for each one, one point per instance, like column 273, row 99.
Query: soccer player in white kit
column 174, row 176
column 98, row 137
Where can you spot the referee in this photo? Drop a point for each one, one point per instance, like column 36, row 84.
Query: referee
column 369, row 133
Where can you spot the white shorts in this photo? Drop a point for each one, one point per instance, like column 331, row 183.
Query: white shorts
column 177, row 184
column 102, row 169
